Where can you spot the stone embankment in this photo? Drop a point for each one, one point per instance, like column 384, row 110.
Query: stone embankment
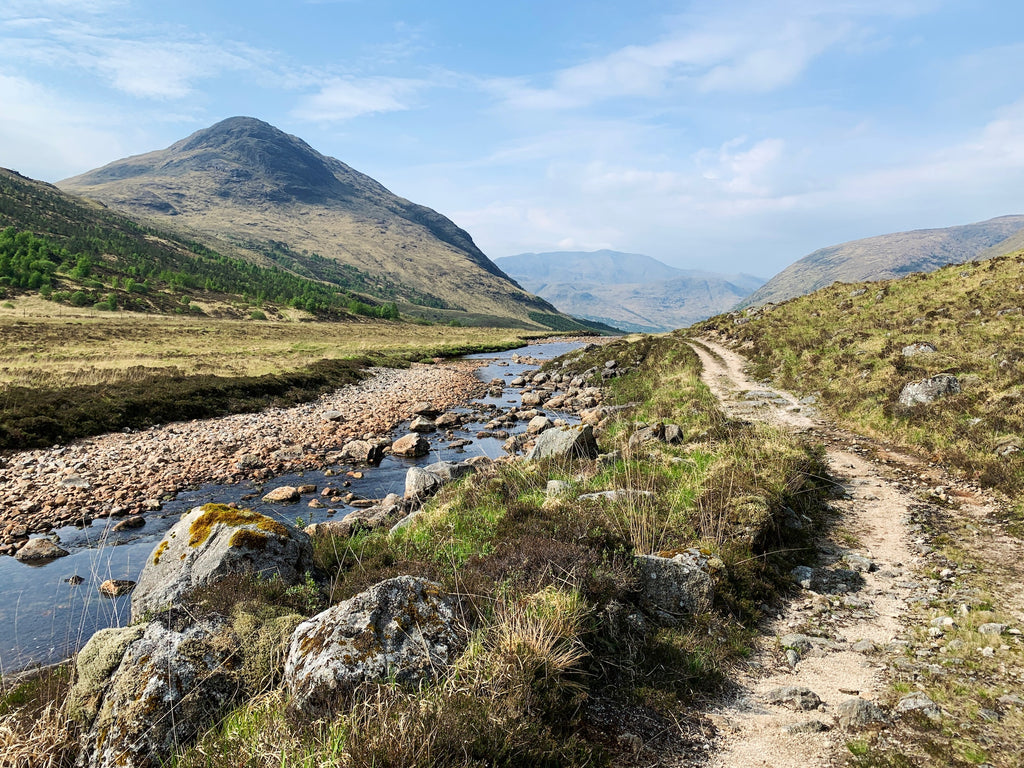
column 125, row 474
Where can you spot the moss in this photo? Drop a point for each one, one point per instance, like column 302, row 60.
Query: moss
column 214, row 514
column 95, row 664
column 247, row 538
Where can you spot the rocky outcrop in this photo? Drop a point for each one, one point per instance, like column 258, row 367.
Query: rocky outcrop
column 213, row 541
column 929, row 390
column 170, row 684
column 673, row 588
column 402, row 629
column 565, row 443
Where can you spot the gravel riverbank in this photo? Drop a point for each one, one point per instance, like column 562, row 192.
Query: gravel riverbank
column 131, row 473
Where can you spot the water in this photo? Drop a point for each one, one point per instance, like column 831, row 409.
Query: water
column 44, row 618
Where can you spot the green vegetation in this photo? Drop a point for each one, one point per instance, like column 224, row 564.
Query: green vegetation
column 844, row 345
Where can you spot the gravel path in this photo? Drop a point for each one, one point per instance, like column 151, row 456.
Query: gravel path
column 859, row 622
column 128, row 473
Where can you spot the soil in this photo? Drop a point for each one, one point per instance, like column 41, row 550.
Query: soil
column 887, row 495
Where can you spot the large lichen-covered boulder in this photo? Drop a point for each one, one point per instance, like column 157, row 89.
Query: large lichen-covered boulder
column 94, row 665
column 403, row 629
column 212, row 541
column 565, row 443
column 929, row 390
column 676, row 587
column 172, row 682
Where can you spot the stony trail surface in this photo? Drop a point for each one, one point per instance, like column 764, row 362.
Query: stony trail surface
column 858, row 626
column 128, row 473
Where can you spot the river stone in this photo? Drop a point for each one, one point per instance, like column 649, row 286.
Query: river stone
column 363, row 451
column 858, row 713
column 538, row 424
column 446, row 420
column 565, row 443
column 116, row 587
column 170, row 685
column 130, row 523
column 421, row 482
column 94, row 665
column 422, row 424
column 532, row 399
column 284, row 493
column 411, row 445
column 212, row 541
column 929, row 390
column 38, row 550
column 672, row 588
column 402, row 629
column 424, row 409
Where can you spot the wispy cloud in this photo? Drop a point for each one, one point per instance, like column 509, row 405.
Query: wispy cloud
column 342, row 98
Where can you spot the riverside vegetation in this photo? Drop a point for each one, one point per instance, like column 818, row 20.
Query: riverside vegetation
column 562, row 663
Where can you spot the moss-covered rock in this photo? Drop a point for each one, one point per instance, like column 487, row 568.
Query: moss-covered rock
column 215, row 540
column 94, row 665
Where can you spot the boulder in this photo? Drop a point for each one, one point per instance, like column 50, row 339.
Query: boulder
column 858, row 713
column 40, row 550
column 672, row 588
column 94, row 665
column 363, row 452
column 385, row 512
column 919, row 348
column 532, row 399
column 647, row 434
column 929, row 390
column 411, row 445
column 211, row 541
column 538, row 424
column 422, row 424
column 424, row 408
column 794, row 697
column 130, row 523
column 920, row 703
column 565, row 443
column 446, row 420
column 282, row 494
column 402, row 629
column 421, row 482
column 170, row 684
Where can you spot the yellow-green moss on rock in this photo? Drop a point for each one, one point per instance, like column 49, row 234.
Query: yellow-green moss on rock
column 214, row 514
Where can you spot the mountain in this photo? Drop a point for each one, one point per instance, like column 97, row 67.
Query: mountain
column 245, row 188
column 628, row 290
column 889, row 256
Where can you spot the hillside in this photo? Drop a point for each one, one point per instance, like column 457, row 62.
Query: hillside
column 628, row 290
column 889, row 256
column 247, row 189
column 855, row 347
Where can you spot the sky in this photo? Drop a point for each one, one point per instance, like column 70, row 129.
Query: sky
column 725, row 135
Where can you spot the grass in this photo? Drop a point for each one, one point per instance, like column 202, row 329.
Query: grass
column 562, row 667
column 67, row 377
column 847, row 350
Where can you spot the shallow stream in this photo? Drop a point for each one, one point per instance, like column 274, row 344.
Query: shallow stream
column 45, row 618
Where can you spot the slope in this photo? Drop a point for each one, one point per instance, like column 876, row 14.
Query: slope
column 627, row 290
column 887, row 256
column 248, row 189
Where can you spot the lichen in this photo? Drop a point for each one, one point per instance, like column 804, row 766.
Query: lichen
column 213, row 514
column 160, row 551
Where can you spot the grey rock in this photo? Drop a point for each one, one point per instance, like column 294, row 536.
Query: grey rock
column 673, row 434
column 565, row 443
column 794, row 697
column 446, row 420
column 920, row 703
column 532, row 398
column 538, row 424
column 859, row 563
column 802, row 575
column 390, row 509
column 334, row 416
column 212, row 541
column 557, row 488
column 919, row 348
column 799, row 643
column 808, row 726
column 74, row 481
column 992, row 628
column 424, row 409
column 39, row 550
column 856, row 713
column 929, row 390
column 673, row 588
column 402, row 629
column 421, row 482
column 363, row 452
column 864, row 646
column 422, row 424
column 170, row 684
column 94, row 665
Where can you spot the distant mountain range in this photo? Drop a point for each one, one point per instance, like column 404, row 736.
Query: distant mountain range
column 627, row 290
column 244, row 188
column 888, row 256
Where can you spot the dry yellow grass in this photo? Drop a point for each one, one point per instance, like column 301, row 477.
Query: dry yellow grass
column 45, row 345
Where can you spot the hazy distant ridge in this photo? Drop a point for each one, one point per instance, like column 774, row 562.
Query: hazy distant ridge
column 888, row 256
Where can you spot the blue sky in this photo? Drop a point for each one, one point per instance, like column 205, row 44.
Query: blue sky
column 731, row 136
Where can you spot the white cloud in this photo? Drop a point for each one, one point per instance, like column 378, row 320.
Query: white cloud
column 345, row 98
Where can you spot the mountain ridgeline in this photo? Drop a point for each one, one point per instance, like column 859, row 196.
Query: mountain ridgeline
column 628, row 290
column 890, row 256
column 245, row 189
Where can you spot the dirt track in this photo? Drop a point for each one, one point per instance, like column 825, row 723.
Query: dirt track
column 878, row 519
